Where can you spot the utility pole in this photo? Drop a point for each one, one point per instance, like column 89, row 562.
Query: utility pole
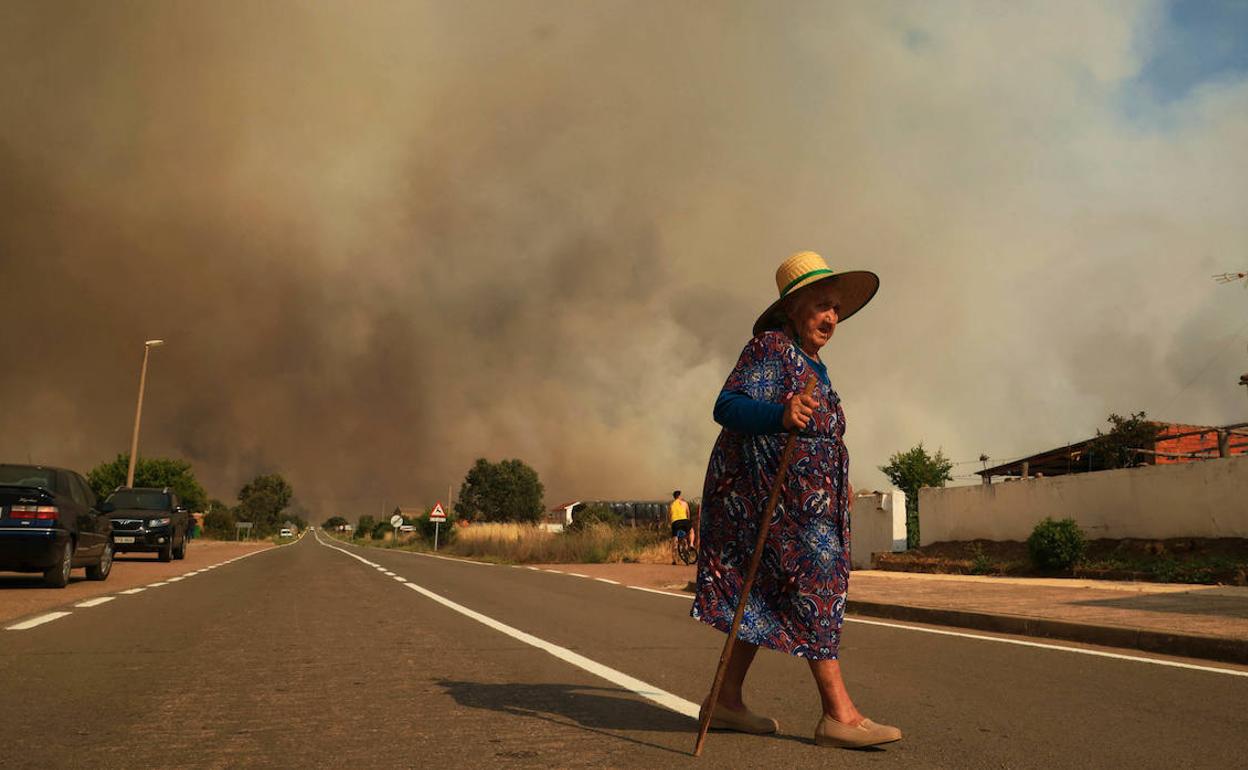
column 138, row 410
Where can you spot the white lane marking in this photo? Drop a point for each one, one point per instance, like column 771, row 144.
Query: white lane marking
column 388, row 572
column 39, row 621
column 132, row 591
column 607, row 580
column 535, row 569
column 1057, row 647
column 400, row 578
column 154, row 585
column 576, row 574
column 176, row 579
column 556, row 571
column 618, row 678
column 95, row 602
column 451, row 558
column 664, row 593
column 1019, row 642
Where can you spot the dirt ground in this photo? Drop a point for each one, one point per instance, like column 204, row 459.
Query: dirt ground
column 1182, row 560
column 23, row 593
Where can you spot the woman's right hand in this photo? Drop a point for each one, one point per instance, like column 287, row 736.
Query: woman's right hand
column 798, row 411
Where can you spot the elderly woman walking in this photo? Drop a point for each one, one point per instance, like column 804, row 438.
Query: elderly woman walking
column 797, row 602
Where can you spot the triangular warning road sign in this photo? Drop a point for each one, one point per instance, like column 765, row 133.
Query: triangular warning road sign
column 437, row 514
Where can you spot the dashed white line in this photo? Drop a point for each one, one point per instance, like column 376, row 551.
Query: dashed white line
column 95, row 602
column 176, row 579
column 400, row 578
column 608, row 580
column 132, row 591
column 556, row 571
column 154, row 585
column 39, row 621
column 576, row 574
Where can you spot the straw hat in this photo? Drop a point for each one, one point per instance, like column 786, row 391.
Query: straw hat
column 857, row 287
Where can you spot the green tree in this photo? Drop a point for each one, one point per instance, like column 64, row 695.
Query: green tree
column 150, row 472
column 219, row 520
column 364, row 527
column 1115, row 449
column 334, row 522
column 504, row 491
column 910, row 471
column 262, row 500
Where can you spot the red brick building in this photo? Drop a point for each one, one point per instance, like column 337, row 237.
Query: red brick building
column 1176, row 443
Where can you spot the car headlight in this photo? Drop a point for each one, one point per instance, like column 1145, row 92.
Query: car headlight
column 163, row 522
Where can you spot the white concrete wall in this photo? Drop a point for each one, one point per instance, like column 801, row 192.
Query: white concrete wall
column 1200, row 499
column 877, row 524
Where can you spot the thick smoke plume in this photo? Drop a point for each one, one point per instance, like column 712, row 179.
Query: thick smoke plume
column 383, row 240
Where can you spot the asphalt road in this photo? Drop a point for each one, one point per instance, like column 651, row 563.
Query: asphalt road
column 312, row 655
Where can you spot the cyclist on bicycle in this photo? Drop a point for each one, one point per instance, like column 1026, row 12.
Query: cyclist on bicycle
column 678, row 515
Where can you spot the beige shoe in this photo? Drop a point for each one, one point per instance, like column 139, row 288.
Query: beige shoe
column 742, row 721
column 830, row 732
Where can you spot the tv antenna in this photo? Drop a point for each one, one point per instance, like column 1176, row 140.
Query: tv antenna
column 1232, row 278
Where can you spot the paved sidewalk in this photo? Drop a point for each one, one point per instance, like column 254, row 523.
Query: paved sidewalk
column 1186, row 620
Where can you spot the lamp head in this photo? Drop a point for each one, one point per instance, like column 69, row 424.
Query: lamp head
column 153, row 343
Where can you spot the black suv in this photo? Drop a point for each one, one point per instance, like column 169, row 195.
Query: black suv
column 50, row 523
column 148, row 519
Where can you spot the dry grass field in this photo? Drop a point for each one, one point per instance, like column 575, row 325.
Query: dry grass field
column 527, row 544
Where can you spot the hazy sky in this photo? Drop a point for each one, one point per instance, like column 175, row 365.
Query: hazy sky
column 383, row 239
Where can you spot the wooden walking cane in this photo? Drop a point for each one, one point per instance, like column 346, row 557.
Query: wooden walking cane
column 751, row 572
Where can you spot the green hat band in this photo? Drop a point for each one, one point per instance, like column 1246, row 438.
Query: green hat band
column 800, row 278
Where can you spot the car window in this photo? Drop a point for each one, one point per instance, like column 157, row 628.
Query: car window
column 68, row 486
column 28, row 476
column 136, row 499
column 87, row 494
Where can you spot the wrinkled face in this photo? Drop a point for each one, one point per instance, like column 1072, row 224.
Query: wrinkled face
column 814, row 312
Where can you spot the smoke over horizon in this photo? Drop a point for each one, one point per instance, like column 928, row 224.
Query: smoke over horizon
column 383, row 243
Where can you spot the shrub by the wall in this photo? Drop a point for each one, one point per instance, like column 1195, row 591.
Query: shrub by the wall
column 1056, row 545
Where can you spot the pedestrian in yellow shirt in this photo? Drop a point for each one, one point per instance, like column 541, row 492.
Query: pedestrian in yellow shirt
column 678, row 515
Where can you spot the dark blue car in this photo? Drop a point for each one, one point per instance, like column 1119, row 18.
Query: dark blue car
column 50, row 523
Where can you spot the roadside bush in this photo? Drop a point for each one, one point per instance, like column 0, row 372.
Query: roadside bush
column 447, row 531
column 219, row 524
column 597, row 513
column 1056, row 545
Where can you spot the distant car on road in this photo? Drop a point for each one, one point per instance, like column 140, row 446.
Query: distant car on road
column 286, row 532
column 148, row 519
column 50, row 523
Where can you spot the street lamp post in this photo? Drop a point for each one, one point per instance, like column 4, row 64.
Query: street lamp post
column 138, row 410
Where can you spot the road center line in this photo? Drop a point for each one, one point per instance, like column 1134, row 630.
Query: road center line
column 39, row 621
column 132, row 591
column 608, row 580
column 618, row 678
column 95, row 602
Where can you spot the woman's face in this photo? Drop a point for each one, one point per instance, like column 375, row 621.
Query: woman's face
column 815, row 313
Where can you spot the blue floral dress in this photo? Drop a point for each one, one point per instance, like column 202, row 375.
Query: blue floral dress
column 797, row 604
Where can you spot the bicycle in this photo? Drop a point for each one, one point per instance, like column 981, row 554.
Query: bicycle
column 684, row 551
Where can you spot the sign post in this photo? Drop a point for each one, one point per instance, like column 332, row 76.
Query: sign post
column 396, row 521
column 437, row 516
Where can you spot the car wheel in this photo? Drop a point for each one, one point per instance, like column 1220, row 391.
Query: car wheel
column 57, row 576
column 100, row 571
column 180, row 551
column 166, row 552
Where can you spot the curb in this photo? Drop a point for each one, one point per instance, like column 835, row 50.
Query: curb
column 1184, row 645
